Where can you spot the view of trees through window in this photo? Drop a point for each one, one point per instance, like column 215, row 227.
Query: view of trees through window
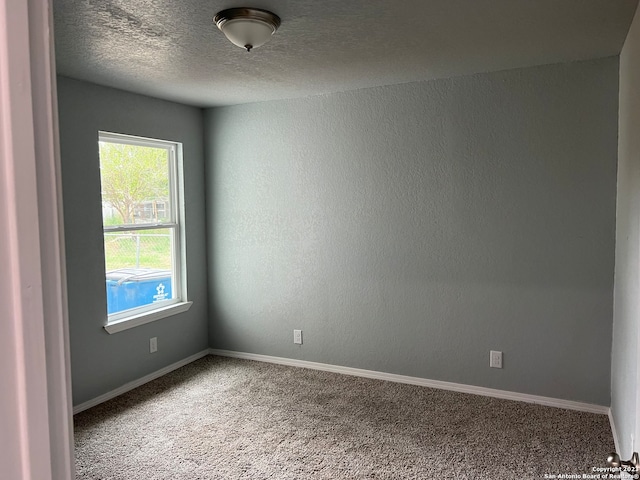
column 135, row 181
column 139, row 226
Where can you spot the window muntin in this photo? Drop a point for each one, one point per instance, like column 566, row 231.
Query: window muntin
column 141, row 224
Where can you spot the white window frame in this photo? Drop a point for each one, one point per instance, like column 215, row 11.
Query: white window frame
column 155, row 311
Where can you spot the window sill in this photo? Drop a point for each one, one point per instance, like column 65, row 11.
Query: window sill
column 147, row 317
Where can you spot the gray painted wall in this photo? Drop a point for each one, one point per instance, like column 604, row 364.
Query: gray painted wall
column 626, row 309
column 101, row 362
column 412, row 228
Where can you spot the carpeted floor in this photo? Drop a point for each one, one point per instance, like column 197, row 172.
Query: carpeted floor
column 221, row 418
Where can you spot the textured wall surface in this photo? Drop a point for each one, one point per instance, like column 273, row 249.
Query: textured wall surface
column 101, row 362
column 627, row 277
column 412, row 228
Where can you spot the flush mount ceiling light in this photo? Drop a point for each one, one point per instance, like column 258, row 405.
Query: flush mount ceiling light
column 247, row 27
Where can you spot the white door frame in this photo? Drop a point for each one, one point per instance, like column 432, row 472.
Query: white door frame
column 35, row 402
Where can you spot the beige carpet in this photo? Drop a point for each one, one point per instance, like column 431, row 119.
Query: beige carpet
column 221, row 418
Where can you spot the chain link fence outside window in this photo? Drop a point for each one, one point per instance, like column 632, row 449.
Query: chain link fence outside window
column 138, row 249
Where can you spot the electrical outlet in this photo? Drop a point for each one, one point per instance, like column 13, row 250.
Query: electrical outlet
column 495, row 359
column 297, row 337
column 153, row 345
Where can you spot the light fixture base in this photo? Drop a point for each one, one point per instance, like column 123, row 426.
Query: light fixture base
column 247, row 28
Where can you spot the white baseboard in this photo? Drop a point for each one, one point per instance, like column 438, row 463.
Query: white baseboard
column 358, row 372
column 391, row 377
column 136, row 383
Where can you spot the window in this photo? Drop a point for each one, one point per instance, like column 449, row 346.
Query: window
column 142, row 227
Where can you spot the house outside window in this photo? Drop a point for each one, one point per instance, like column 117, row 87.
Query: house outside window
column 143, row 229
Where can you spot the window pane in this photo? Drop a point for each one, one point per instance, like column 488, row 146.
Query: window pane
column 139, row 268
column 135, row 184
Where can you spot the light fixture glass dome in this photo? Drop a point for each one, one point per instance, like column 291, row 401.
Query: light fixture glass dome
column 247, row 27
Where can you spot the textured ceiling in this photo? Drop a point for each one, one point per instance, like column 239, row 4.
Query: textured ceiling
column 171, row 49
